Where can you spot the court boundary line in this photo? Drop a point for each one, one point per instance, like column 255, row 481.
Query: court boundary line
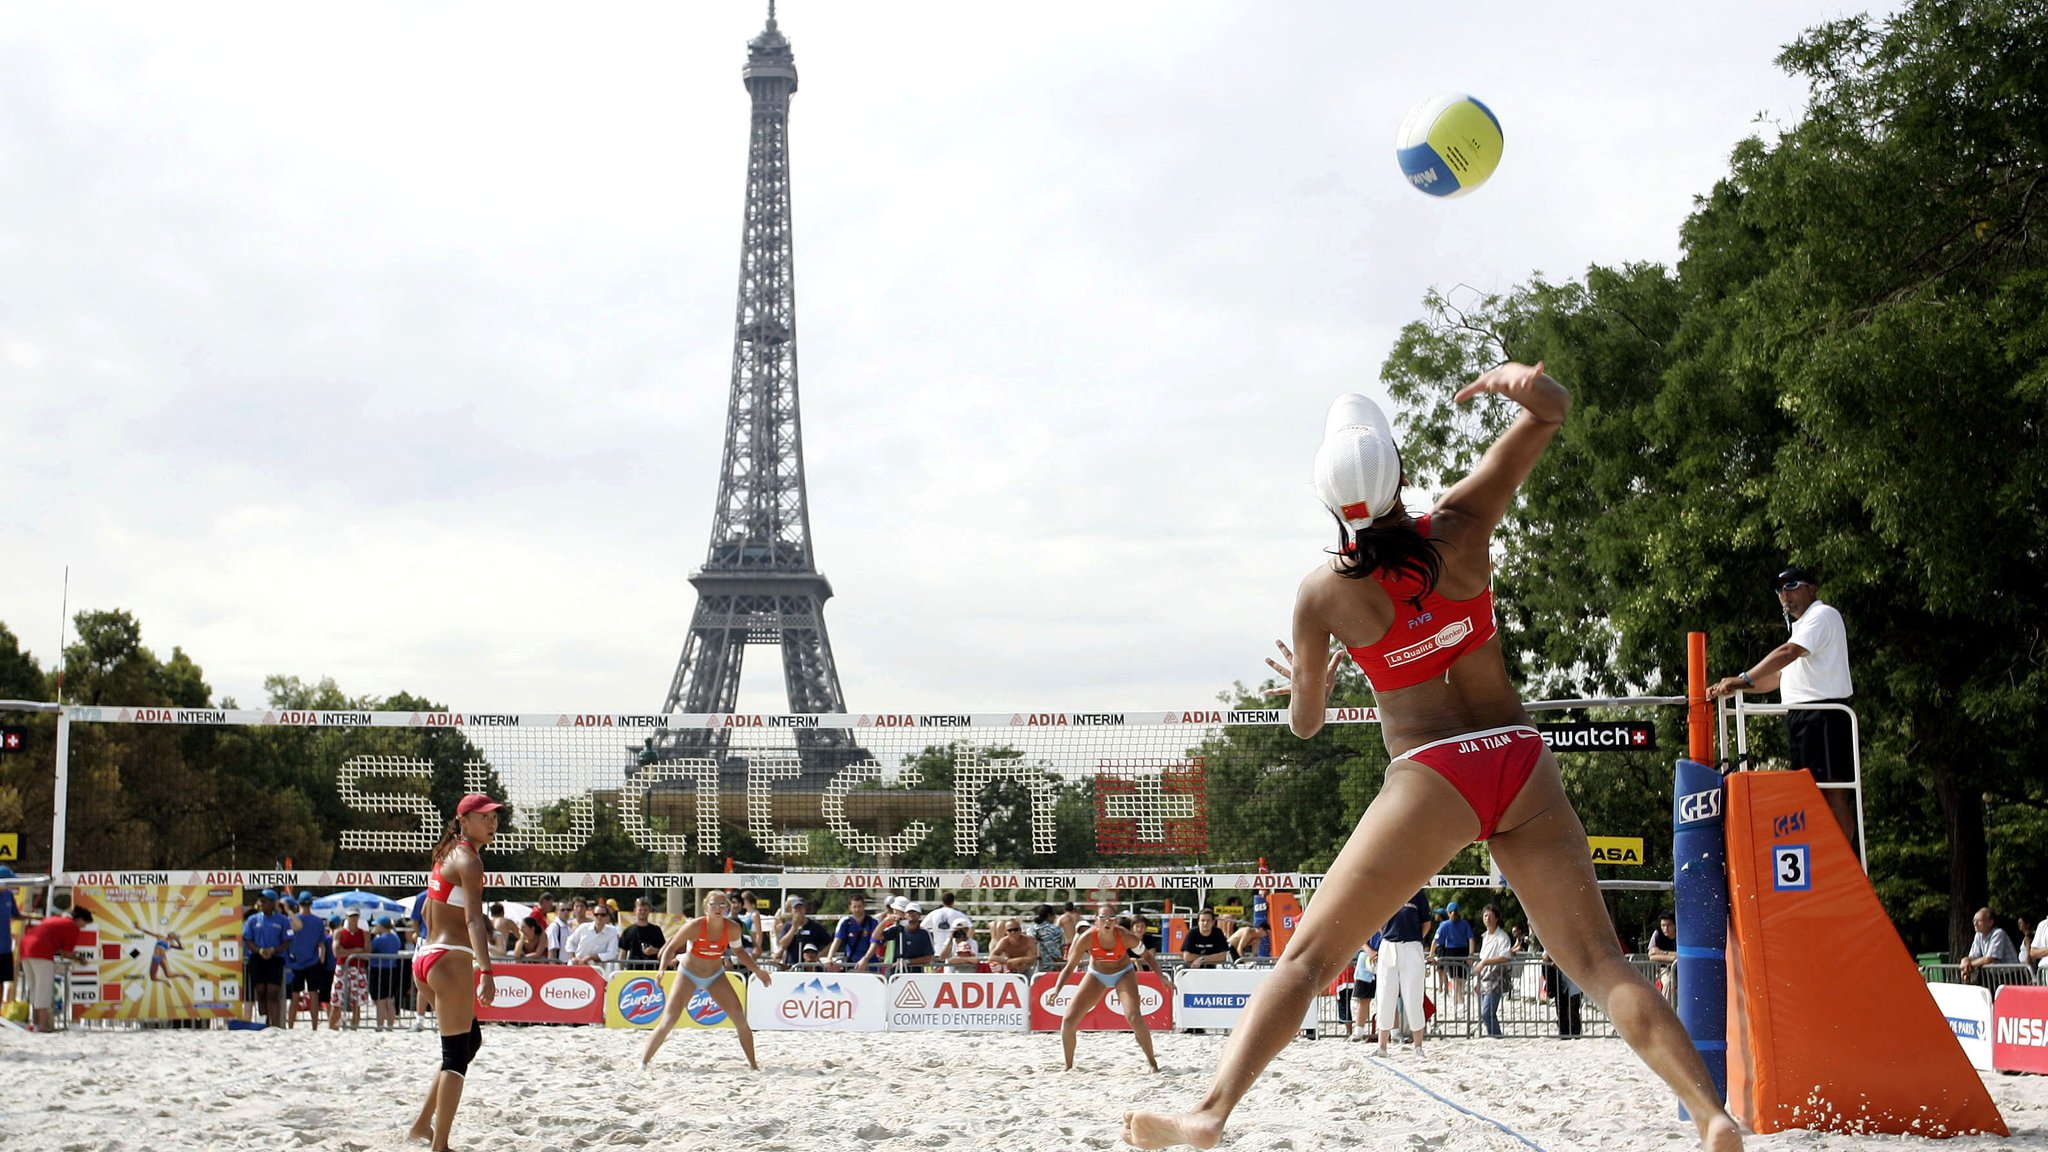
column 1427, row 1091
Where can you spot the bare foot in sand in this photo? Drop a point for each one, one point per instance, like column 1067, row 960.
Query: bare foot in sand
column 1151, row 1130
column 1719, row 1134
column 420, row 1135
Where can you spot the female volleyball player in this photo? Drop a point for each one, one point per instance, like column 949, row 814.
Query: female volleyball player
column 454, row 950
column 1411, row 598
column 709, row 939
column 1113, row 953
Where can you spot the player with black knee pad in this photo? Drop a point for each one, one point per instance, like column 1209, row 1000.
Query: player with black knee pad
column 453, row 961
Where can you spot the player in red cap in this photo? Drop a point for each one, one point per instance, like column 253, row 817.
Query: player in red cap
column 455, row 950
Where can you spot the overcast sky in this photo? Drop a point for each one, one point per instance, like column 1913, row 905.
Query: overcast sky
column 391, row 343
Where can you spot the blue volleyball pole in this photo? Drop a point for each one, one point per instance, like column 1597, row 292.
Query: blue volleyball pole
column 1699, row 852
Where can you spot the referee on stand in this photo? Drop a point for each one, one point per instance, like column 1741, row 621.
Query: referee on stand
column 1811, row 668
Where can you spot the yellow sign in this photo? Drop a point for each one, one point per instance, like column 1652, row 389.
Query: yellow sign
column 636, row 1000
column 1616, row 849
column 10, row 847
column 165, row 952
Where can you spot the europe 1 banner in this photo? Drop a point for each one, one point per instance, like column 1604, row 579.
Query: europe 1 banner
column 165, row 952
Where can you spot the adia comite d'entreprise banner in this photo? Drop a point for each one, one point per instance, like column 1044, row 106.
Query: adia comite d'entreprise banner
column 958, row 1002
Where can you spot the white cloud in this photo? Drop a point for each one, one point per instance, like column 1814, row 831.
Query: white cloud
column 395, row 347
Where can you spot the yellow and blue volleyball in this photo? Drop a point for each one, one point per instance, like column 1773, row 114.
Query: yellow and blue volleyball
column 1449, row 145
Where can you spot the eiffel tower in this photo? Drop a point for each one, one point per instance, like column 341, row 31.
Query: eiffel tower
column 760, row 583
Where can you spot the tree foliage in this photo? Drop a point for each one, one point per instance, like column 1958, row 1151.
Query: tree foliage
column 1846, row 370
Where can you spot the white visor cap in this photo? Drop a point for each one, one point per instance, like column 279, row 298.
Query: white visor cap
column 1358, row 468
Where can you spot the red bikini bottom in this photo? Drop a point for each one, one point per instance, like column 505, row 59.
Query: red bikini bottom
column 1487, row 768
column 423, row 961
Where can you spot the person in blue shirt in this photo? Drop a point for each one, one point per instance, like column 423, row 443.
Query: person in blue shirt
column 1451, row 948
column 265, row 935
column 855, row 932
column 1400, row 972
column 384, row 947
column 308, row 964
column 9, row 913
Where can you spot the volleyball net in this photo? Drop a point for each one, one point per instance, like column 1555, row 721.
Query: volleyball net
column 877, row 800
column 1045, row 801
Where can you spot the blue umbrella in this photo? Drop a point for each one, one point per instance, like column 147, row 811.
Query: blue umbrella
column 368, row 903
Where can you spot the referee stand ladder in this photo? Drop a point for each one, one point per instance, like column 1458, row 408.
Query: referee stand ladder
column 1739, row 708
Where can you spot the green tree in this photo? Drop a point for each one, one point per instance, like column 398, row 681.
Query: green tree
column 1846, row 369
column 26, row 776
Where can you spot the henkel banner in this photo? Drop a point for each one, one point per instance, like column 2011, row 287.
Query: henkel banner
column 1049, row 1005
column 820, row 1002
column 637, row 999
column 2019, row 1029
column 545, row 994
column 958, row 1002
column 1968, row 1009
column 1215, row 997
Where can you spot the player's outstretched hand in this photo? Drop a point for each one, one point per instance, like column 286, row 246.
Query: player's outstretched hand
column 1526, row 385
column 1286, row 670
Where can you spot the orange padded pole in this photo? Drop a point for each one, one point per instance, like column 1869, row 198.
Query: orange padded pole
column 1699, row 718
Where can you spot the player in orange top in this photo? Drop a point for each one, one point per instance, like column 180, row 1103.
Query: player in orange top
column 1411, row 598
column 709, row 939
column 1113, row 953
column 454, row 957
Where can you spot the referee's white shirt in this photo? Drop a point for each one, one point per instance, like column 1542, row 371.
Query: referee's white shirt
column 1823, row 673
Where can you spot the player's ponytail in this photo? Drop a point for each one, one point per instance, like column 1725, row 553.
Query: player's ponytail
column 1396, row 548
column 449, row 835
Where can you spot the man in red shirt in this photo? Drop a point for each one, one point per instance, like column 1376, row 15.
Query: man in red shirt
column 53, row 936
column 351, row 978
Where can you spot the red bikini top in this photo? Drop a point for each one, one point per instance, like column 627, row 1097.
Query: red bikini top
column 1423, row 642
column 440, row 889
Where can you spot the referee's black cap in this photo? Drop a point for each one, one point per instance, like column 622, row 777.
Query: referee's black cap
column 1794, row 574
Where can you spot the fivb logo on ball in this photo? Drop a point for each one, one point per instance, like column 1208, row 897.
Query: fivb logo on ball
column 1449, row 145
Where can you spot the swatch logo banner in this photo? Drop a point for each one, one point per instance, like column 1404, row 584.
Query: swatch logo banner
column 1600, row 736
column 641, row 1000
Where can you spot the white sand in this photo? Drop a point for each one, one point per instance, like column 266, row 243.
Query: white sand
column 537, row 1089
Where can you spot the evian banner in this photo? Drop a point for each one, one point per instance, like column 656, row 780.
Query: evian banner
column 1049, row 1005
column 545, row 994
column 958, row 1002
column 819, row 1002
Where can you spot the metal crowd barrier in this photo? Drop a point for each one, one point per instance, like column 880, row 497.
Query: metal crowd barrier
column 1529, row 1006
column 1992, row 976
